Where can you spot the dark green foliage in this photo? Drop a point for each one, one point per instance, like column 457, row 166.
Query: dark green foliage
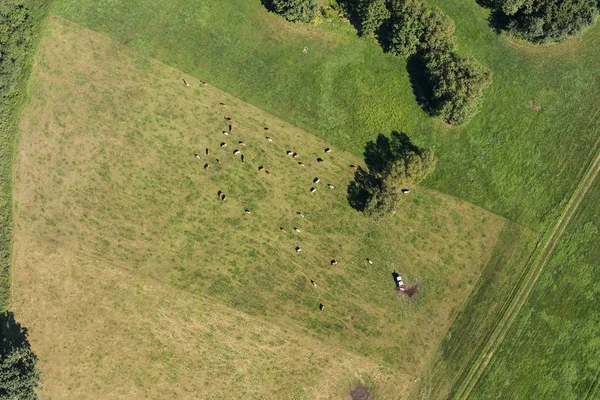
column 547, row 20
column 18, row 374
column 458, row 84
column 438, row 31
column 19, row 22
column 372, row 13
column 296, row 10
column 393, row 164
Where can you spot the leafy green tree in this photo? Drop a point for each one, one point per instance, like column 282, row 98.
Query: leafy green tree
column 547, row 20
column 394, row 164
column 458, row 84
column 296, row 10
column 372, row 13
column 438, row 32
column 18, row 374
column 404, row 31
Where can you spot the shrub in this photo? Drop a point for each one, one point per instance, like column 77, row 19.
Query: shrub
column 296, row 10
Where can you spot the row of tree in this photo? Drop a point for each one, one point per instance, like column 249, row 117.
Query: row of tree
column 544, row 20
column 409, row 28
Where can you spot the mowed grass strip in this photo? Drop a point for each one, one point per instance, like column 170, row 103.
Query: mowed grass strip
column 510, row 159
column 107, row 172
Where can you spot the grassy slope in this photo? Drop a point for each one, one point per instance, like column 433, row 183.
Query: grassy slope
column 512, row 160
column 553, row 349
column 511, row 253
column 107, row 178
column 17, row 49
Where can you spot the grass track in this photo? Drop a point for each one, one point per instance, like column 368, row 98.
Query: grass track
column 107, row 180
column 522, row 291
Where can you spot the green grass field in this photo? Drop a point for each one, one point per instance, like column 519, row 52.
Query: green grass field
column 512, row 160
column 129, row 268
column 552, row 351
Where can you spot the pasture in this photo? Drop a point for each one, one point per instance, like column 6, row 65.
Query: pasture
column 553, row 349
column 136, row 280
column 510, row 159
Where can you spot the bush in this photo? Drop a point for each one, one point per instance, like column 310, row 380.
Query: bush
column 458, row 84
column 296, row 10
column 547, row 20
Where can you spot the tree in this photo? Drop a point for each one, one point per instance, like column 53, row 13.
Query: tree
column 372, row 13
column 296, row 10
column 393, row 164
column 458, row 84
column 404, row 31
column 18, row 374
column 547, row 20
column 438, row 32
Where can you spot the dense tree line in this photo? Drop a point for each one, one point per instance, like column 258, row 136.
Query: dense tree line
column 409, row 28
column 545, row 20
column 394, row 165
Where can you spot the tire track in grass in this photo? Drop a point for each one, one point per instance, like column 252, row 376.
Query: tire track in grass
column 464, row 387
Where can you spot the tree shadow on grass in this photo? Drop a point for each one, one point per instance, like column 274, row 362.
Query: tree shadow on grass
column 497, row 20
column 379, row 155
column 421, row 84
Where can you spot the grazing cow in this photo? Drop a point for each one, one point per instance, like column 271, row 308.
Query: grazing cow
column 298, row 249
column 236, row 152
column 281, row 229
column 333, row 262
column 219, row 193
column 313, row 283
column 206, row 166
column 230, row 127
column 223, row 144
column 223, row 105
column 223, row 198
column 295, row 155
column 327, row 150
column 269, row 139
column 313, row 189
column 299, row 214
column 186, row 83
column 197, row 156
column 225, row 133
column 267, row 129
column 204, row 83
column 229, row 120
column 354, row 167
column 268, row 173
column 319, row 160
column 297, row 230
column 207, row 151
column 247, row 211
column 405, row 191
column 260, row 168
column 243, row 158
column 369, row 261
column 316, row 180
column 330, row 186
column 241, row 143
column 219, row 162
column 289, row 153
column 321, row 306
column 301, row 164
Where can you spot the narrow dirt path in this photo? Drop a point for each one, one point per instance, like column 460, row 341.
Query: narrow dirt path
column 463, row 388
